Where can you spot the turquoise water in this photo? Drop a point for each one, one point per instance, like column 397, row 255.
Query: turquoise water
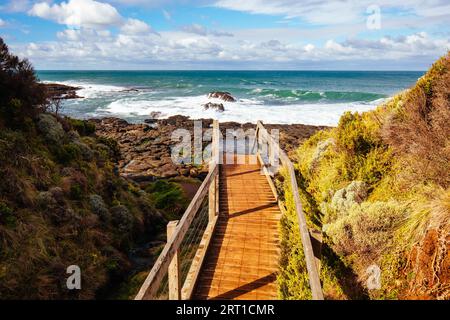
column 310, row 97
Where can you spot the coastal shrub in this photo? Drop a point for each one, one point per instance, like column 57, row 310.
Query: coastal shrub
column 343, row 199
column 420, row 130
column 399, row 155
column 46, row 200
column 367, row 229
column 83, row 127
column 292, row 279
column 122, row 218
column 76, row 192
column 167, row 196
column 51, row 129
column 321, row 148
column 67, row 153
column 353, row 135
column 7, row 216
column 84, row 151
column 112, row 145
column 48, row 217
column 99, row 207
column 21, row 96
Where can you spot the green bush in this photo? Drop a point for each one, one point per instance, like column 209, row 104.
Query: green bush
column 67, row 153
column 7, row 216
column 353, row 136
column 111, row 144
column 83, row 127
column 76, row 192
column 21, row 95
column 366, row 229
column 165, row 194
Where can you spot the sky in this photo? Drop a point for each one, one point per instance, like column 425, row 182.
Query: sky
column 227, row 34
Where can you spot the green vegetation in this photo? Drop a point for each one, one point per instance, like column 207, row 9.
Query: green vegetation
column 62, row 201
column 377, row 185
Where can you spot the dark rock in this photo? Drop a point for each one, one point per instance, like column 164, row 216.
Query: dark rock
column 225, row 96
column 150, row 121
column 61, row 91
column 155, row 114
column 215, row 106
column 145, row 155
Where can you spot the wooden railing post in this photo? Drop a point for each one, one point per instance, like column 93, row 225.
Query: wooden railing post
column 174, row 267
column 213, row 188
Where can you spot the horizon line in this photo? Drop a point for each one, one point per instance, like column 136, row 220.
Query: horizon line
column 245, row 70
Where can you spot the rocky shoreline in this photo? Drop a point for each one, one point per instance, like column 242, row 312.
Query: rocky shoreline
column 57, row 91
column 146, row 148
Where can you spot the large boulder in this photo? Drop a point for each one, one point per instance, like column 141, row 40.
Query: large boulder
column 225, row 96
column 214, row 106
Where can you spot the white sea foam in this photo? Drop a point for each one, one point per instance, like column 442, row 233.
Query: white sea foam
column 244, row 110
column 90, row 90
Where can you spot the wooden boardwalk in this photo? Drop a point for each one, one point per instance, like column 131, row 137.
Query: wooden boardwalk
column 238, row 254
column 242, row 259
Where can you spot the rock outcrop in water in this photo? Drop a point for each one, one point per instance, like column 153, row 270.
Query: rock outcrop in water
column 61, row 91
column 214, row 106
column 225, row 96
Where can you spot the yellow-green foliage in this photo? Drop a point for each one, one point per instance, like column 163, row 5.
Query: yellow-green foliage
column 366, row 230
column 403, row 183
column 293, row 277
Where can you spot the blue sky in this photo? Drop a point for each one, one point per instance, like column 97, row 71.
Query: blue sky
column 227, row 34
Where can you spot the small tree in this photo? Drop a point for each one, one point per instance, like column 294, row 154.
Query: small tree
column 21, row 96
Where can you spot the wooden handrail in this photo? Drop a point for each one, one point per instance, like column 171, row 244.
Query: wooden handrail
column 313, row 274
column 154, row 278
column 209, row 186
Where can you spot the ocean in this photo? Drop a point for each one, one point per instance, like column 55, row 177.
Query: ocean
column 283, row 97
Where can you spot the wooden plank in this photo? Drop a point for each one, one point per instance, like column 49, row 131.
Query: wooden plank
column 151, row 284
column 174, row 267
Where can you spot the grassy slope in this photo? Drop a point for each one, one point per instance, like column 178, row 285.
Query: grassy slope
column 62, row 202
column 378, row 187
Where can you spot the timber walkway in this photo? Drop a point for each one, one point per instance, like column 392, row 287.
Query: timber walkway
column 226, row 245
column 242, row 259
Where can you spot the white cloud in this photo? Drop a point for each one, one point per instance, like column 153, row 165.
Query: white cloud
column 135, row 27
column 78, row 13
column 84, row 35
column 178, row 49
column 16, row 6
column 198, row 29
column 2, row 23
column 309, row 47
column 89, row 40
column 335, row 11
